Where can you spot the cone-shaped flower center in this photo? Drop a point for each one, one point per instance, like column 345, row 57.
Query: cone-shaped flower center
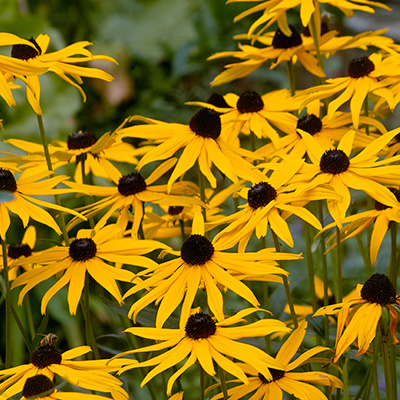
column 217, row 100
column 16, row 251
column 7, row 181
column 276, row 374
column 200, row 326
column 196, row 250
column 45, row 355
column 281, row 41
column 334, row 162
column 131, row 184
column 82, row 249
column 261, row 194
column 25, row 52
column 379, row 206
column 37, row 386
column 310, row 123
column 206, row 123
column 249, row 102
column 81, row 140
column 175, row 210
column 359, row 67
column 378, row 289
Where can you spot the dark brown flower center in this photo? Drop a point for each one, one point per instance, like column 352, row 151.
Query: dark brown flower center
column 378, row 289
column 359, row 67
column 217, row 100
column 37, row 386
column 131, row 184
column 7, row 181
column 249, row 102
column 197, row 250
column 25, row 52
column 46, row 355
column 310, row 123
column 276, row 374
column 380, row 206
column 206, row 123
column 397, row 138
column 281, row 41
column 82, row 249
column 200, row 326
column 16, row 251
column 334, row 162
column 175, row 210
column 261, row 194
column 81, row 140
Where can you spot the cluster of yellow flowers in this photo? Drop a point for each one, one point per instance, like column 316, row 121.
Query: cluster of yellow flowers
column 288, row 152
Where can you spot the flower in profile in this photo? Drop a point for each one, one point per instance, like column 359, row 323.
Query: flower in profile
column 49, row 361
column 278, row 48
column 202, row 339
column 365, row 75
column 26, row 206
column 61, row 62
column 201, row 141
column 88, row 253
column 17, row 250
column 285, row 380
column 333, row 166
column 41, row 387
column 358, row 317
column 203, row 263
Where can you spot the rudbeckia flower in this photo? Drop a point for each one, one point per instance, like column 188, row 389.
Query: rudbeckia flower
column 365, row 75
column 41, row 387
column 358, row 318
column 201, row 141
column 201, row 262
column 17, row 250
column 363, row 172
column 202, row 339
column 26, row 206
column 60, row 62
column 265, row 202
column 87, row 254
column 47, row 360
column 297, row 384
column 277, row 48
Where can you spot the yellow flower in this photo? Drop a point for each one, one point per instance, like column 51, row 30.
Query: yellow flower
column 87, row 254
column 359, row 316
column 293, row 383
column 363, row 172
column 205, row 341
column 25, row 206
column 49, row 361
column 201, row 140
column 60, row 62
column 201, row 262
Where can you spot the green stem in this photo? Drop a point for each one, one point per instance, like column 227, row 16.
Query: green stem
column 386, row 363
column 7, row 363
column 202, row 187
column 29, row 316
column 315, row 36
column 182, row 225
column 202, row 383
column 81, row 160
column 290, row 74
column 310, row 267
column 393, row 255
column 339, row 276
column 285, row 282
column 50, row 168
column 223, row 382
column 366, row 111
column 253, row 140
column 374, row 367
column 367, row 263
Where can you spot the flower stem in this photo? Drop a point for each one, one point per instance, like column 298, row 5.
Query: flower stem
column 316, row 35
column 366, row 112
column 223, row 382
column 389, row 379
column 375, row 369
column 310, row 267
column 339, row 275
column 202, row 383
column 7, row 363
column 290, row 74
column 81, row 160
column 50, row 168
column 202, row 186
column 367, row 263
column 393, row 256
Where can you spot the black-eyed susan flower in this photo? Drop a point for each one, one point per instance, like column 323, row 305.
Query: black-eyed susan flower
column 202, row 339
column 277, row 49
column 298, row 384
column 88, row 253
column 41, row 387
column 365, row 75
column 49, row 361
column 26, row 206
column 201, row 262
column 358, row 317
column 201, row 141
column 61, row 62
column 363, row 172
